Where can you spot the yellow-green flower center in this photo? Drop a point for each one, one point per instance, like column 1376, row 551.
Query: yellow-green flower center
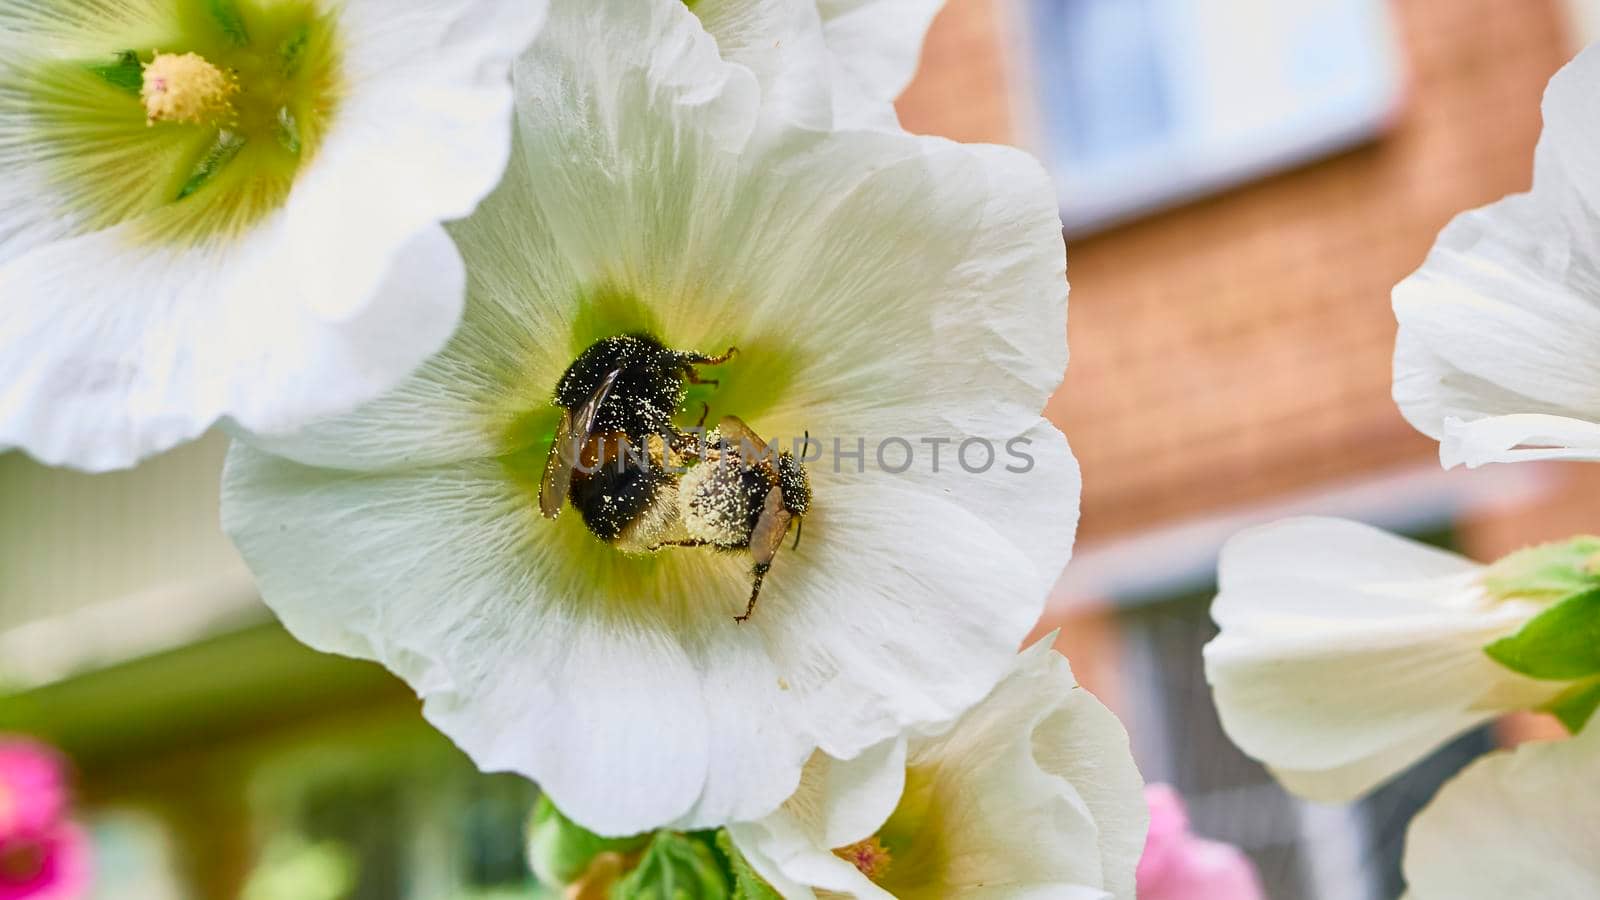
column 194, row 125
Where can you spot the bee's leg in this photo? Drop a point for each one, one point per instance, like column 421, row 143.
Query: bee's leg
column 690, row 368
column 717, row 360
column 705, row 411
column 760, row 573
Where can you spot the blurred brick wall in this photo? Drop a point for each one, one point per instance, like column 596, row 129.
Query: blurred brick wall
column 1238, row 348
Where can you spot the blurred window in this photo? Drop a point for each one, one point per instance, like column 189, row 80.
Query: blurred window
column 1150, row 102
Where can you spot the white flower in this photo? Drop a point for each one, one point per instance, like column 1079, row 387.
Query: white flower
column 1347, row 654
column 1519, row 823
column 877, row 285
column 1495, row 356
column 212, row 208
column 824, row 63
column 1032, row 793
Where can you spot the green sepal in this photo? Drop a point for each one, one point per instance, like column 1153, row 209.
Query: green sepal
column 228, row 18
column 126, row 73
column 676, row 867
column 1576, row 705
column 747, row 884
column 560, row 850
column 217, row 156
column 1560, row 644
column 1548, row 572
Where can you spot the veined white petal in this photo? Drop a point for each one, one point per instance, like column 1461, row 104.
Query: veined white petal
column 117, row 345
column 152, row 349
column 1498, row 320
column 1517, row 823
column 1032, row 793
column 827, row 64
column 422, row 135
column 1347, row 654
column 781, row 42
column 878, row 42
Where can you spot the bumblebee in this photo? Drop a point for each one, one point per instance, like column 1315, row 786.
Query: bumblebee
column 741, row 495
column 611, row 454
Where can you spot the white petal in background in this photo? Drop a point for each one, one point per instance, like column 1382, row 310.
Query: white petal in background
column 1346, row 654
column 1518, row 823
column 1497, row 329
column 115, row 347
column 1032, row 793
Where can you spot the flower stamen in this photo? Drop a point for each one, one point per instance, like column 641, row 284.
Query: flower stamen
column 870, row 857
column 188, row 89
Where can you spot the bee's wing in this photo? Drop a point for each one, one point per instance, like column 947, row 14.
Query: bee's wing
column 571, row 435
column 771, row 526
column 738, row 435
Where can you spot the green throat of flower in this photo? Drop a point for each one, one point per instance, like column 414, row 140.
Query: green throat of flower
column 196, row 125
column 907, row 856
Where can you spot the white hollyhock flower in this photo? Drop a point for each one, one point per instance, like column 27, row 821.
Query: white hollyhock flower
column 1347, row 654
column 824, row 63
column 877, row 286
column 223, row 208
column 1518, row 823
column 1032, row 793
column 1497, row 329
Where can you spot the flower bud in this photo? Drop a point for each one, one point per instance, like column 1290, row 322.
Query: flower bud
column 561, row 851
column 676, row 867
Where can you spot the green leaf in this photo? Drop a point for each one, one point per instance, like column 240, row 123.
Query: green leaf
column 1548, row 572
column 676, row 867
column 561, row 850
column 1560, row 644
column 1576, row 705
column 747, row 884
column 126, row 73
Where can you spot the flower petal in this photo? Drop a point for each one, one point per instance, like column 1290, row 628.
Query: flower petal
column 1495, row 322
column 878, row 42
column 781, row 42
column 99, row 381
column 1346, row 654
column 1517, row 823
column 423, row 133
column 519, row 673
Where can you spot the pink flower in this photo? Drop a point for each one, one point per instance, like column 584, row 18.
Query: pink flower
column 42, row 855
column 50, row 865
column 1177, row 865
column 33, row 790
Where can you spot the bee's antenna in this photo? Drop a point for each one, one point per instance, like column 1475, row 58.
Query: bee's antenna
column 799, row 528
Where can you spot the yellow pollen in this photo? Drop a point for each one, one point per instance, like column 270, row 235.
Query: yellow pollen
column 186, row 88
column 870, row 857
